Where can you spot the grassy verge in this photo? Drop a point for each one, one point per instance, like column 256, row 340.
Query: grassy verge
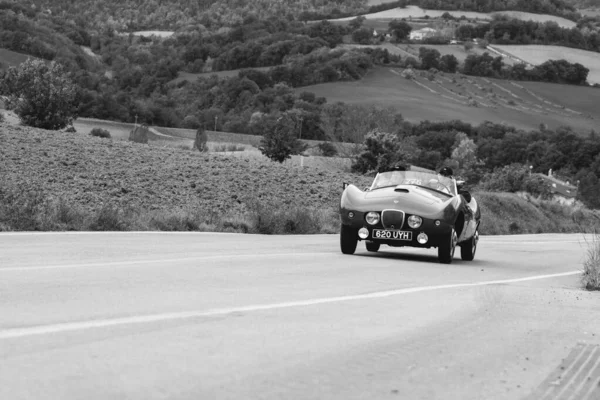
column 507, row 213
column 23, row 209
column 591, row 266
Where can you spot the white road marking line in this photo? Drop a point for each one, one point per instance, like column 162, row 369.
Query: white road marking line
column 82, row 325
column 157, row 261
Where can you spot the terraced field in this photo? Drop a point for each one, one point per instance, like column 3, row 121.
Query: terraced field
column 471, row 99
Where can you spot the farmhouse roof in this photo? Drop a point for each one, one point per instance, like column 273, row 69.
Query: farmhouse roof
column 424, row 30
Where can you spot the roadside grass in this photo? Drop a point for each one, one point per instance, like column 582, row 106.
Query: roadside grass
column 591, row 266
column 24, row 209
column 30, row 209
column 508, row 213
column 75, row 182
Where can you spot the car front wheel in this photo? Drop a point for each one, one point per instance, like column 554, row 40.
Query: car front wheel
column 348, row 239
column 468, row 249
column 447, row 247
column 372, row 246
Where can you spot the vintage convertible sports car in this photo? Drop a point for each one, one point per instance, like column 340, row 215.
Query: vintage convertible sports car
column 412, row 207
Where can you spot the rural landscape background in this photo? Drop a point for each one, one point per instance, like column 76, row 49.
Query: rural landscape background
column 506, row 92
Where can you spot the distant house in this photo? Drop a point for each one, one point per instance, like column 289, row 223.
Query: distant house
column 559, row 188
column 423, row 33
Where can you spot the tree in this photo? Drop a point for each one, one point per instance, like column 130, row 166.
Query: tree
column 381, row 151
column 280, row 140
column 464, row 155
column 399, row 29
column 43, row 95
column 362, row 36
column 430, row 58
column 357, row 22
column 448, row 63
column 200, row 141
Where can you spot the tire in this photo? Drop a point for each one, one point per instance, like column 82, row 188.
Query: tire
column 348, row 239
column 447, row 247
column 468, row 248
column 372, row 246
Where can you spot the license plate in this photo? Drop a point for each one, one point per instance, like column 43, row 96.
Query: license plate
column 391, row 235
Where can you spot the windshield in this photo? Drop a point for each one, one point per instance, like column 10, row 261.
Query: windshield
column 423, row 179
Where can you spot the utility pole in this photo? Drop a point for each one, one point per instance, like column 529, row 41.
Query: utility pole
column 216, row 119
column 136, row 120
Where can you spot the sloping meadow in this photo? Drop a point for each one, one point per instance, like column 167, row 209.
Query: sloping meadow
column 57, row 181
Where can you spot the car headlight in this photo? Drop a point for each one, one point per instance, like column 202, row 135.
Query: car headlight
column 414, row 221
column 372, row 218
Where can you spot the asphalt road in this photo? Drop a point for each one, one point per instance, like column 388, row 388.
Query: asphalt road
column 225, row 316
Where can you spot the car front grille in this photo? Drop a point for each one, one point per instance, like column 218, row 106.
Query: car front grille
column 392, row 219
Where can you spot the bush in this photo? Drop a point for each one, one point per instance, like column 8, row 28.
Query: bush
column 43, row 94
column 280, row 219
column 109, row 218
column 280, row 139
column 201, row 140
column 2, row 118
column 101, row 133
column 591, row 266
column 510, row 178
column 327, row 149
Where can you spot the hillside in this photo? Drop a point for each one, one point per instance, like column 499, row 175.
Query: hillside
column 537, row 54
column 415, row 12
column 65, row 181
column 525, row 105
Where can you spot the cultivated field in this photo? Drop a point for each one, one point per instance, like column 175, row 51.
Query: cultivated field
column 9, row 58
column 537, row 54
column 471, row 99
column 91, row 173
column 415, row 12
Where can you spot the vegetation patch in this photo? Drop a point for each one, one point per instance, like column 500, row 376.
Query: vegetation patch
column 591, row 266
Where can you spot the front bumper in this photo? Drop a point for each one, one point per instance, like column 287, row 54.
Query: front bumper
column 436, row 232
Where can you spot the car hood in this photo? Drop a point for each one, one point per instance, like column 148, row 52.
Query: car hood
column 408, row 198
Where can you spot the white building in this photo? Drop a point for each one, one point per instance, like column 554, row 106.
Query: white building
column 423, row 33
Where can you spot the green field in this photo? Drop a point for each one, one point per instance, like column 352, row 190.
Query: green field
column 415, row 12
column 9, row 58
column 471, row 99
column 538, row 54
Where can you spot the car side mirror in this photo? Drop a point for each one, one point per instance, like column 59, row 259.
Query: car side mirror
column 345, row 185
